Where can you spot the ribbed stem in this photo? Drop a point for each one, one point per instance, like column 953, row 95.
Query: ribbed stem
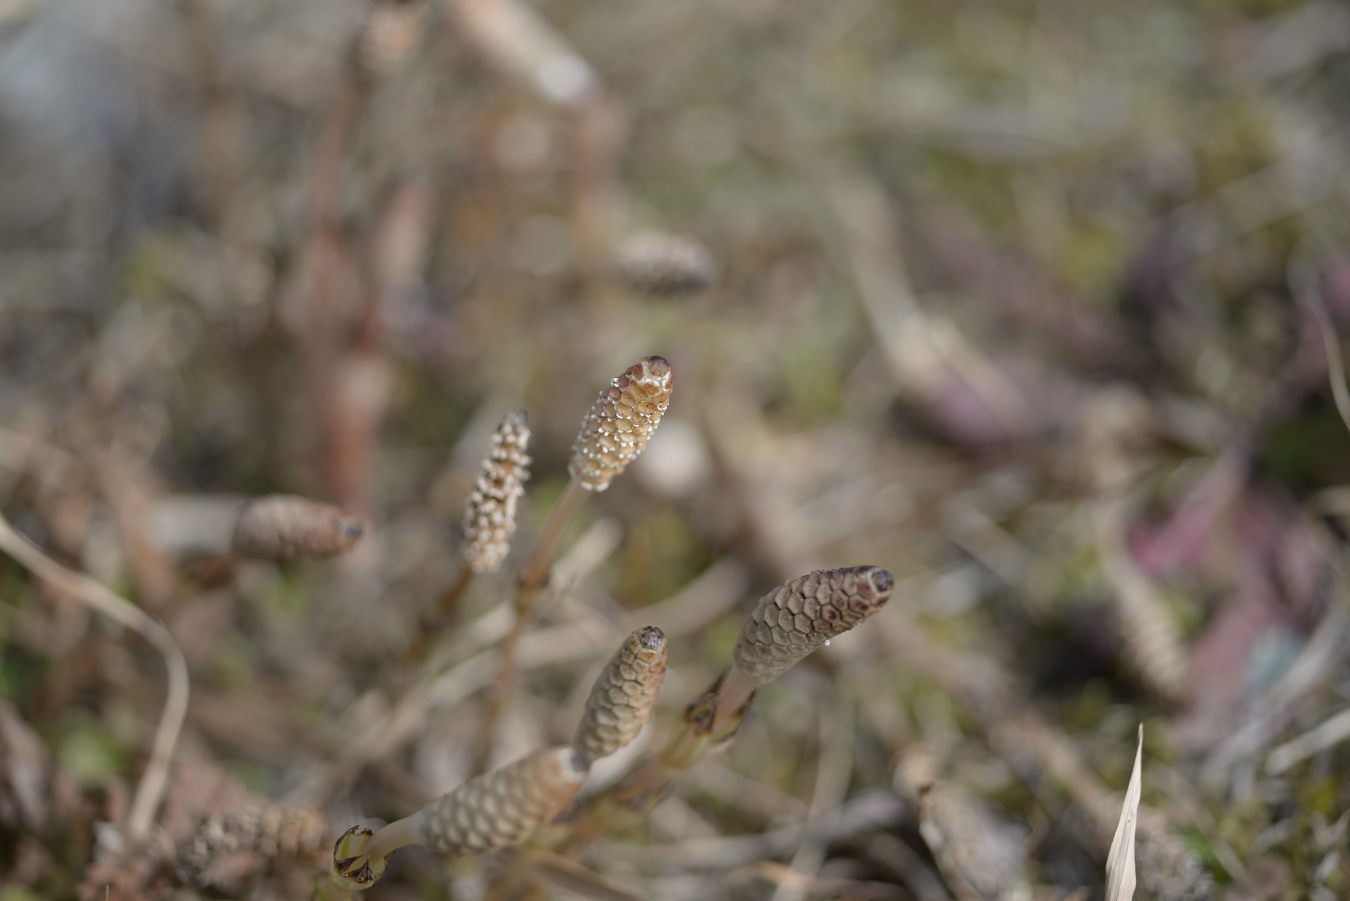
column 398, row 834
column 736, row 691
column 531, row 586
column 535, row 573
column 436, row 620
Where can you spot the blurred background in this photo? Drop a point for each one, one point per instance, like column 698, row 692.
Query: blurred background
column 1038, row 305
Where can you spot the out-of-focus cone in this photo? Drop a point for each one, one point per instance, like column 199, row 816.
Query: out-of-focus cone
column 490, row 515
column 664, row 265
column 283, row 527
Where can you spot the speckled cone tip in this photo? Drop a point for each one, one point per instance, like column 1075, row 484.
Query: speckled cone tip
column 620, row 423
column 622, row 699
column 490, row 514
column 794, row 619
column 282, row 527
column 500, row 808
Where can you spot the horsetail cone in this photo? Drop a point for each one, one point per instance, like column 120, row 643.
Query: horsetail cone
column 490, row 515
column 281, row 527
column 664, row 265
column 622, row 699
column 500, row 808
column 620, row 423
column 799, row 616
column 269, row 831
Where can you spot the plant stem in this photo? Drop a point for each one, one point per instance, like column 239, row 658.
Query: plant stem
column 535, row 573
column 732, row 697
column 533, row 581
column 436, row 620
column 395, row 835
column 332, row 151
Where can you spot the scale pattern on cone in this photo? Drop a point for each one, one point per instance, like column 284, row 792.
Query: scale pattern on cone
column 797, row 617
column 622, row 699
column 500, row 808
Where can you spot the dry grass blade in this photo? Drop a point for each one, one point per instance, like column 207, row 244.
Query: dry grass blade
column 150, row 791
column 1120, row 877
column 1326, row 735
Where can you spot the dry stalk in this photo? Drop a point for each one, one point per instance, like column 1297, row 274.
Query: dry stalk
column 835, row 731
column 150, row 790
column 924, row 350
column 349, row 380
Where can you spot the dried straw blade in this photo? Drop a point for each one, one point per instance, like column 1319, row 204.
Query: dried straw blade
column 1120, row 876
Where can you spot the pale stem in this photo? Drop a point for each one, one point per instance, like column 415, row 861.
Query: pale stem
column 532, row 581
column 535, row 573
column 398, row 834
column 735, row 693
column 435, row 620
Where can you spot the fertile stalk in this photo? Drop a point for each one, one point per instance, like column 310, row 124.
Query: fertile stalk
column 786, row 625
column 613, row 432
column 489, row 523
column 486, row 813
